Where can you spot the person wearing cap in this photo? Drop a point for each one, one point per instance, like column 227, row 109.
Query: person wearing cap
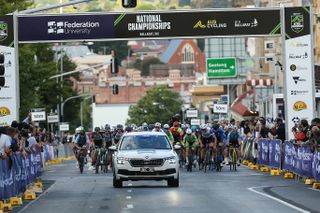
column 166, row 128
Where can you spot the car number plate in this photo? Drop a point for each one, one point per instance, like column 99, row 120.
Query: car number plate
column 146, row 169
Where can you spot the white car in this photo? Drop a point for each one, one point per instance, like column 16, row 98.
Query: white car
column 145, row 156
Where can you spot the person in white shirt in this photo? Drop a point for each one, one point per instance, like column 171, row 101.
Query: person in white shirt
column 5, row 143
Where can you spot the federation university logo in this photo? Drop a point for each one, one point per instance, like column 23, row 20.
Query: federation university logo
column 297, row 23
column 3, row 30
column 55, row 27
column 199, row 25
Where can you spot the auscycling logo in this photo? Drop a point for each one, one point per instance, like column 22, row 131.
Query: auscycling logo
column 65, row 27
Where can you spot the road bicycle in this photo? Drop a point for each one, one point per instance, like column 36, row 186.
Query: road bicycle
column 233, row 157
column 207, row 163
column 190, row 159
column 101, row 160
column 219, row 157
column 82, row 158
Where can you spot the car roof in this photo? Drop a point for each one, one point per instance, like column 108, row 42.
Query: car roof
column 145, row 133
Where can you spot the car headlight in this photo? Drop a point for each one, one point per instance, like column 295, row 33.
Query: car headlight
column 171, row 160
column 121, row 160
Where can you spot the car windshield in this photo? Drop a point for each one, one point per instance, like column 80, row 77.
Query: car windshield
column 134, row 142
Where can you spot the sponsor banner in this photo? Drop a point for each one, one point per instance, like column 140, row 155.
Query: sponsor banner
column 298, row 66
column 275, row 153
column 220, row 108
column 195, row 122
column 38, row 116
column 192, row 113
column 264, row 151
column 316, row 165
column 6, row 30
column 190, row 23
column 8, row 92
column 289, row 155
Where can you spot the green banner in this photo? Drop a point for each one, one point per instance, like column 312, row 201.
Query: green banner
column 221, row 67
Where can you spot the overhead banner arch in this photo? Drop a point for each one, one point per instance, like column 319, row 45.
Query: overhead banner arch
column 147, row 25
column 292, row 23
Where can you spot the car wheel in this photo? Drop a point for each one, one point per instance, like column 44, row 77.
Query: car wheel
column 173, row 182
column 117, row 183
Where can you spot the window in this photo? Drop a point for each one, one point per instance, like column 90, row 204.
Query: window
column 187, row 53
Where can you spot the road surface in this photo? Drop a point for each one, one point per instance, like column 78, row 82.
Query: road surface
column 244, row 191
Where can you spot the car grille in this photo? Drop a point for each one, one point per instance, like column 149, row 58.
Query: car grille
column 135, row 173
column 141, row 162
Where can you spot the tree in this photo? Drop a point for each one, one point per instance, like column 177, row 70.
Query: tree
column 146, row 65
column 158, row 105
column 105, row 47
column 11, row 6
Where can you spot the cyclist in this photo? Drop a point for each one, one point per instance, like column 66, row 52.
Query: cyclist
column 190, row 142
column 145, row 127
column 108, row 135
column 157, row 127
column 234, row 140
column 206, row 141
column 128, row 129
column 98, row 141
column 177, row 140
column 82, row 141
column 220, row 135
column 176, row 133
column 166, row 128
column 118, row 134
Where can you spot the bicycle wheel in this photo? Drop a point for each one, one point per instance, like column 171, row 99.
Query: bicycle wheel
column 98, row 163
column 235, row 159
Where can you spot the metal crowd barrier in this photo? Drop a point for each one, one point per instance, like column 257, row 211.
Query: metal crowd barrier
column 17, row 173
column 302, row 161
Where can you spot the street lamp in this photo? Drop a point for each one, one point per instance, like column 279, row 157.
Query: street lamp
column 71, row 98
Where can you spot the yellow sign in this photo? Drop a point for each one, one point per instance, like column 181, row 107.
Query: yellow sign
column 299, row 105
column 4, row 111
column 199, row 25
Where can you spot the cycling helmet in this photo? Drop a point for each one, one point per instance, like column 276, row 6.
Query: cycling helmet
column 97, row 129
column 166, row 126
column 134, row 127
column 81, row 128
column 119, row 126
column 203, row 127
column 189, row 131
column 128, row 129
column 157, row 125
column 107, row 127
column 144, row 124
column 216, row 126
column 77, row 130
column 207, row 132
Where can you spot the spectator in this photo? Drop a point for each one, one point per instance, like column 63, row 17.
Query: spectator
column 263, row 129
column 14, row 134
column 279, row 130
column 315, row 122
column 5, row 143
column 300, row 131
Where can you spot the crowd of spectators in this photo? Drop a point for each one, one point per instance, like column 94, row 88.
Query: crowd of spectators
column 24, row 137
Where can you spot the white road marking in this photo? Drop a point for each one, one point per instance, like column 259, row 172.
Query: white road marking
column 128, row 197
column 129, row 206
column 44, row 193
column 129, row 184
column 277, row 199
column 129, row 191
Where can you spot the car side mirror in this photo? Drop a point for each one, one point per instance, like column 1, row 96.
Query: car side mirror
column 177, row 147
column 113, row 148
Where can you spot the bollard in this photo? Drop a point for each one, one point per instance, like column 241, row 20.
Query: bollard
column 16, row 201
column 245, row 162
column 316, row 185
column 288, row 175
column 254, row 167
column 29, row 195
column 7, row 207
column 309, row 181
column 275, row 172
column 264, row 169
